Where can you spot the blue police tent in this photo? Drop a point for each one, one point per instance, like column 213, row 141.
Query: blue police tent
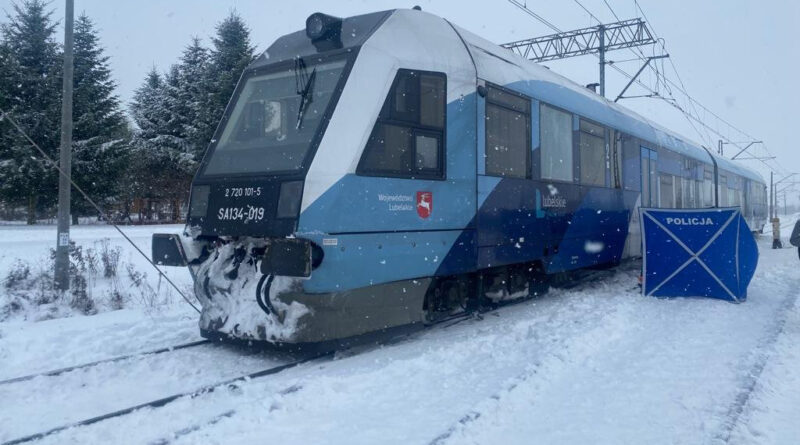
column 697, row 253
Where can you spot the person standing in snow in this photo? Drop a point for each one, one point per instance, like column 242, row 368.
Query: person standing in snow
column 795, row 239
column 776, row 234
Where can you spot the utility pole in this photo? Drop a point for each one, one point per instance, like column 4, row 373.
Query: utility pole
column 771, row 189
column 62, row 242
column 719, row 150
column 602, row 32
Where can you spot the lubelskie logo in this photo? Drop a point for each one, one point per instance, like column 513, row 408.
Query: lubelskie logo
column 424, row 204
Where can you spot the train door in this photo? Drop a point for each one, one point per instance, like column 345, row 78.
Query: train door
column 649, row 178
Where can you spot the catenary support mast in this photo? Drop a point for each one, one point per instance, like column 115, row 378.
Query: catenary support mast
column 62, row 242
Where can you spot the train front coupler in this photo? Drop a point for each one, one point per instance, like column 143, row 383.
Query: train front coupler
column 238, row 281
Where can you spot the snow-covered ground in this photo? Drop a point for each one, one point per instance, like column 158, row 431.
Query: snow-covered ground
column 594, row 364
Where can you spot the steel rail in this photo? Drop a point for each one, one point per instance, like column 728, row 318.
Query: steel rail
column 56, row 372
column 165, row 400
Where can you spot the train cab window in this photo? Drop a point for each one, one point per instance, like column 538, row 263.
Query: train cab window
column 555, row 129
column 592, row 154
column 507, row 134
column 408, row 138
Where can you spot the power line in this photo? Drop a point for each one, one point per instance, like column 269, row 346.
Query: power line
column 672, row 100
column 524, row 8
column 682, row 89
column 7, row 115
column 692, row 102
column 655, row 69
column 590, row 12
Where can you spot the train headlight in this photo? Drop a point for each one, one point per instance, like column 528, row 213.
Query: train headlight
column 323, row 27
column 198, row 205
column 289, row 199
column 315, row 26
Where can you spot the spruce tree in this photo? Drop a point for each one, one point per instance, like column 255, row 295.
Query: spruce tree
column 147, row 108
column 194, row 96
column 163, row 164
column 31, row 93
column 100, row 130
column 232, row 53
column 150, row 116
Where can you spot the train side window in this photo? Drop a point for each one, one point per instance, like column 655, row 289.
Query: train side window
column 555, row 129
column 507, row 134
column 707, row 188
column 432, row 100
column 667, row 191
column 677, row 184
column 631, row 164
column 722, row 191
column 408, row 139
column 592, row 154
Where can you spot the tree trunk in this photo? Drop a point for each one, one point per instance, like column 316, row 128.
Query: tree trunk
column 176, row 210
column 32, row 201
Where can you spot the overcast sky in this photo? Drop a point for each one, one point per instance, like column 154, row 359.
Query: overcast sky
column 735, row 57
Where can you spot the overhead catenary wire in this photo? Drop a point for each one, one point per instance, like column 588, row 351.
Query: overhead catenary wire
column 7, row 116
column 524, row 8
column 682, row 89
column 661, row 75
column 672, row 101
column 663, row 79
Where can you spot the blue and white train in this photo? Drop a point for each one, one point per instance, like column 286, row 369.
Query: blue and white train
column 392, row 168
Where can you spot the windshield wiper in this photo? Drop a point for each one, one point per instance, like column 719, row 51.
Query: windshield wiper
column 306, row 92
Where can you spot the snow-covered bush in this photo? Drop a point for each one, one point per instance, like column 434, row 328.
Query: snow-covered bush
column 27, row 290
column 109, row 257
column 145, row 293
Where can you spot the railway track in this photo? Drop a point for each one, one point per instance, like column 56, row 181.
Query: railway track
column 169, row 399
column 206, row 389
column 60, row 371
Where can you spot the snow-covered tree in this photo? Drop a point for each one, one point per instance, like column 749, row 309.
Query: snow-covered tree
column 100, row 130
column 231, row 54
column 30, row 91
column 162, row 165
column 195, row 93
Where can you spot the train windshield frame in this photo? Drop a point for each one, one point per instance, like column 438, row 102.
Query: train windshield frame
column 278, row 114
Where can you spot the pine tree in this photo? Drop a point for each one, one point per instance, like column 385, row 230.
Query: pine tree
column 31, row 93
column 150, row 115
column 147, row 108
column 100, row 132
column 162, row 164
column 195, row 94
column 232, row 53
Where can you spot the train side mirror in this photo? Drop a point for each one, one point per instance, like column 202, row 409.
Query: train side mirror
column 167, row 250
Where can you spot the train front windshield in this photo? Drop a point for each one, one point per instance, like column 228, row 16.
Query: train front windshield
column 275, row 119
